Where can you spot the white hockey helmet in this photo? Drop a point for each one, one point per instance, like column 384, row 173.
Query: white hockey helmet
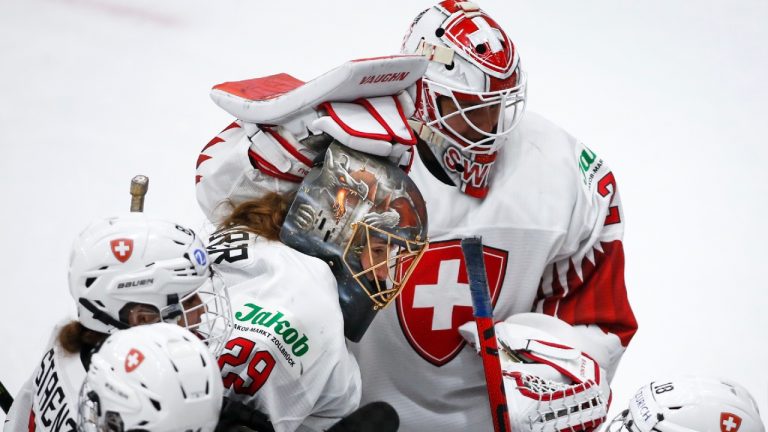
column 157, row 377
column 129, row 260
column 476, row 69
column 690, row 404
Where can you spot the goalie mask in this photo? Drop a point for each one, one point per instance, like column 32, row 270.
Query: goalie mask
column 473, row 93
column 157, row 377
column 690, row 404
column 367, row 219
column 132, row 270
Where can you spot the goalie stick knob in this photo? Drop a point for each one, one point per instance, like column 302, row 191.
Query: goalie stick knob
column 139, row 187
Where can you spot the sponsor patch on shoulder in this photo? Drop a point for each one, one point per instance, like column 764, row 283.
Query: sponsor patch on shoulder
column 589, row 165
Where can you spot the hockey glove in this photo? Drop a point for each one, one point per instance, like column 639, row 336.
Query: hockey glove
column 549, row 385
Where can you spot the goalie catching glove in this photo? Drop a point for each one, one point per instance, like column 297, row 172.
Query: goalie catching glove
column 549, row 386
column 284, row 125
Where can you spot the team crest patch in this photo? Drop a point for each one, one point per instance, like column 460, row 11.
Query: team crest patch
column 729, row 422
column 122, row 249
column 133, row 360
column 436, row 300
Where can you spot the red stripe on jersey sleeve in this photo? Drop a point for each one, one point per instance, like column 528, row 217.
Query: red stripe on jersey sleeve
column 32, row 426
column 200, row 159
column 599, row 297
column 212, row 143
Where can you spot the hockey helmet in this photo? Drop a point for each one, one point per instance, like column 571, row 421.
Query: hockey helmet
column 690, row 404
column 158, row 268
column 366, row 218
column 157, row 377
column 473, row 93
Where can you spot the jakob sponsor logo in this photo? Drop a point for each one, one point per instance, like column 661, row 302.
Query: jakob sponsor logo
column 276, row 322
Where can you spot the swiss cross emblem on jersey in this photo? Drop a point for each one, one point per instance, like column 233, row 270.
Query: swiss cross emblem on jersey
column 121, row 248
column 133, row 359
column 729, row 422
column 436, row 300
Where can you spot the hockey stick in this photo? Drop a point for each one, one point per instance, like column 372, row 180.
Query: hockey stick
column 6, row 400
column 472, row 247
column 139, row 186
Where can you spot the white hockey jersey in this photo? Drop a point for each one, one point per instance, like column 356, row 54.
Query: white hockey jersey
column 48, row 400
column 552, row 227
column 287, row 356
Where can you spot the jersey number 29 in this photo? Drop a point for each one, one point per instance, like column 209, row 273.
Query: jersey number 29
column 259, row 367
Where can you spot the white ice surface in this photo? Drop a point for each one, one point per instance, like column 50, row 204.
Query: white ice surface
column 671, row 93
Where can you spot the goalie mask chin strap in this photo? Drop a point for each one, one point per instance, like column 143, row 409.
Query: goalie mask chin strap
column 102, row 316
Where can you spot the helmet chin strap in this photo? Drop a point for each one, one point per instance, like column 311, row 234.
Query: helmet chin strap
column 103, row 316
column 173, row 310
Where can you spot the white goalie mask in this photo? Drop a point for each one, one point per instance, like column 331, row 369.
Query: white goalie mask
column 131, row 270
column 690, row 404
column 157, row 377
column 472, row 94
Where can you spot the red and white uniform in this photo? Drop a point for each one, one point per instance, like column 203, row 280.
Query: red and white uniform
column 552, row 227
column 287, row 355
column 48, row 400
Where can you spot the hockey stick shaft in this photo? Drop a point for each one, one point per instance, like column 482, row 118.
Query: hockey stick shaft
column 6, row 400
column 139, row 187
column 472, row 248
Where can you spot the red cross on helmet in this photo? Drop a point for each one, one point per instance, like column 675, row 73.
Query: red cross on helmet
column 473, row 93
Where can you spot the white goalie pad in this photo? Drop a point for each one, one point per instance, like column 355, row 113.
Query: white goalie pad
column 277, row 99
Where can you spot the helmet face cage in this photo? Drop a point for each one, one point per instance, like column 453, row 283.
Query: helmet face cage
column 621, row 422
column 89, row 417
column 365, row 261
column 362, row 215
column 207, row 313
column 88, row 409
column 509, row 104
column 475, row 70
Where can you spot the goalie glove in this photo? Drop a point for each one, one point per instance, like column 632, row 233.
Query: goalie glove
column 376, row 126
column 284, row 125
column 363, row 104
column 550, row 386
